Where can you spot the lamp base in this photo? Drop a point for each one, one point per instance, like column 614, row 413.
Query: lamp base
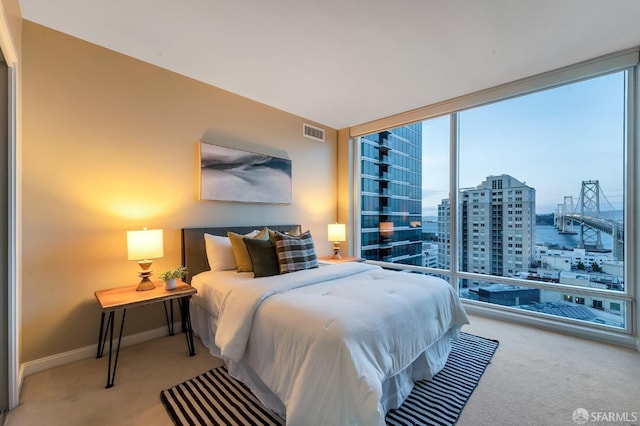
column 145, row 284
column 336, row 251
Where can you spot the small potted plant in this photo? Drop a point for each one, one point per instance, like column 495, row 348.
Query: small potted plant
column 169, row 277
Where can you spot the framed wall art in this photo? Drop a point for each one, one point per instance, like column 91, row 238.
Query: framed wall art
column 228, row 174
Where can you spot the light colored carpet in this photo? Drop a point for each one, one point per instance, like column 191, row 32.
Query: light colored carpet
column 536, row 378
column 74, row 394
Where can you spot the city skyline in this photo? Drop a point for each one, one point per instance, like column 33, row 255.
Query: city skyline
column 551, row 140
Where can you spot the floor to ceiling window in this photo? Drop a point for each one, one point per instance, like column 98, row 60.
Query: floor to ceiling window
column 520, row 200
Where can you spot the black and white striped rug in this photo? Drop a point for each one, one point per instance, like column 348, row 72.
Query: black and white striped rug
column 215, row 398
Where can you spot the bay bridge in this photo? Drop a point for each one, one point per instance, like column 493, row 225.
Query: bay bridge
column 586, row 215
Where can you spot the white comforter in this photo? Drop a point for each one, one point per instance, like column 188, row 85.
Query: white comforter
column 324, row 340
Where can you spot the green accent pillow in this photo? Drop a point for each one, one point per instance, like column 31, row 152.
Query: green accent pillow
column 263, row 257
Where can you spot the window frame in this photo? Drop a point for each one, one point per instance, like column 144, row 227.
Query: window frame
column 621, row 61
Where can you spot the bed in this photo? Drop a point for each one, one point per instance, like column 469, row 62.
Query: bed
column 335, row 344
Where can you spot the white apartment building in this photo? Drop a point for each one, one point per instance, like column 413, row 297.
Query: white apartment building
column 498, row 227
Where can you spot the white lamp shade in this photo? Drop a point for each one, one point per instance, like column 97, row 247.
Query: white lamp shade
column 145, row 244
column 337, row 232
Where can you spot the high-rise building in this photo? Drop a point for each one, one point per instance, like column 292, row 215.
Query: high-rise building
column 391, row 192
column 444, row 235
column 497, row 227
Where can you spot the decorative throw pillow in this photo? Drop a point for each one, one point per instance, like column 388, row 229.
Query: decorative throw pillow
column 264, row 234
column 293, row 232
column 295, row 253
column 219, row 253
column 243, row 261
column 263, row 257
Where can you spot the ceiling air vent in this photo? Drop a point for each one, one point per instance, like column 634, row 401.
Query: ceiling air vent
column 312, row 132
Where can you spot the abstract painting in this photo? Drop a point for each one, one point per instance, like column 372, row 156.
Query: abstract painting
column 228, row 174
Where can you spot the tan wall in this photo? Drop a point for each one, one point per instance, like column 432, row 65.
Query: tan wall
column 110, row 144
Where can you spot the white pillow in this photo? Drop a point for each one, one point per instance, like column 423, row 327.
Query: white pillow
column 220, row 253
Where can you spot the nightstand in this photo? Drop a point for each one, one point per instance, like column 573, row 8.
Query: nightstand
column 122, row 298
column 331, row 259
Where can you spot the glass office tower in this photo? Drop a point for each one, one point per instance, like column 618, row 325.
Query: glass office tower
column 391, row 192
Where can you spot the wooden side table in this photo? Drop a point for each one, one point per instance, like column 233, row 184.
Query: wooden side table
column 122, row 298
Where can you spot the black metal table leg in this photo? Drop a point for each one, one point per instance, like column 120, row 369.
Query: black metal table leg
column 102, row 339
column 111, row 375
column 186, row 323
column 166, row 315
column 100, row 344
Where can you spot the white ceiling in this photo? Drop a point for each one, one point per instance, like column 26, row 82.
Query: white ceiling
column 346, row 62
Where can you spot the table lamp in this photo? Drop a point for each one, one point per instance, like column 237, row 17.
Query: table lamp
column 336, row 233
column 144, row 245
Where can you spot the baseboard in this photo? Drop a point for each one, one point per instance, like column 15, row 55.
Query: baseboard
column 31, row 367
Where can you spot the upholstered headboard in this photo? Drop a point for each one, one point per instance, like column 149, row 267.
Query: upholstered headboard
column 194, row 255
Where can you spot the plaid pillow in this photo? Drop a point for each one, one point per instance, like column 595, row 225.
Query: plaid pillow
column 295, row 253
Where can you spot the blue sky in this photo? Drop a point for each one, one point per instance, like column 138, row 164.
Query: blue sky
column 552, row 140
